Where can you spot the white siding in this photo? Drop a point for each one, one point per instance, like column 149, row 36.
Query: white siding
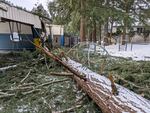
column 4, row 28
column 55, row 29
column 15, row 14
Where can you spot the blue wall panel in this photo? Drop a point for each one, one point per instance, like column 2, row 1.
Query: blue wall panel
column 62, row 40
column 7, row 44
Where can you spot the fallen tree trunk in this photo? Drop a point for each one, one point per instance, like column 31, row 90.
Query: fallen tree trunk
column 58, row 60
column 99, row 89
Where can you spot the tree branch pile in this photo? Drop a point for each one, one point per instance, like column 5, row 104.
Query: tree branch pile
column 23, row 88
column 99, row 88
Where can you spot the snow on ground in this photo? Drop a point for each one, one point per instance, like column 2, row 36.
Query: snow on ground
column 138, row 52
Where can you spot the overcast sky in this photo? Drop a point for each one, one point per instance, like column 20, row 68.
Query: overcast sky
column 29, row 4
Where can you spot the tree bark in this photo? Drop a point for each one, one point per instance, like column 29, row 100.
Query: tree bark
column 100, row 34
column 111, row 29
column 125, row 23
column 82, row 23
column 82, row 29
column 106, row 28
column 106, row 32
column 124, row 33
column 90, row 38
column 99, row 89
column 94, row 32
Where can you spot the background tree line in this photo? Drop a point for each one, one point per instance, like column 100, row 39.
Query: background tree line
column 87, row 17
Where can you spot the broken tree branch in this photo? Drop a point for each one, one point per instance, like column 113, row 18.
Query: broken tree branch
column 58, row 60
column 31, row 91
column 19, row 88
column 62, row 74
column 22, row 88
column 7, row 67
column 48, row 83
column 6, row 95
column 26, row 76
column 131, row 83
column 70, row 109
column 26, row 84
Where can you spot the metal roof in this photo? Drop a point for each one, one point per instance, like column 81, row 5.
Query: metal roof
column 9, row 12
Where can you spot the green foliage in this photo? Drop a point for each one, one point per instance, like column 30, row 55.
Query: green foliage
column 123, row 12
column 136, row 72
column 53, row 97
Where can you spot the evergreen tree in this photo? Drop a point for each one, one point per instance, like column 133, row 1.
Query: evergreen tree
column 81, row 16
column 39, row 10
